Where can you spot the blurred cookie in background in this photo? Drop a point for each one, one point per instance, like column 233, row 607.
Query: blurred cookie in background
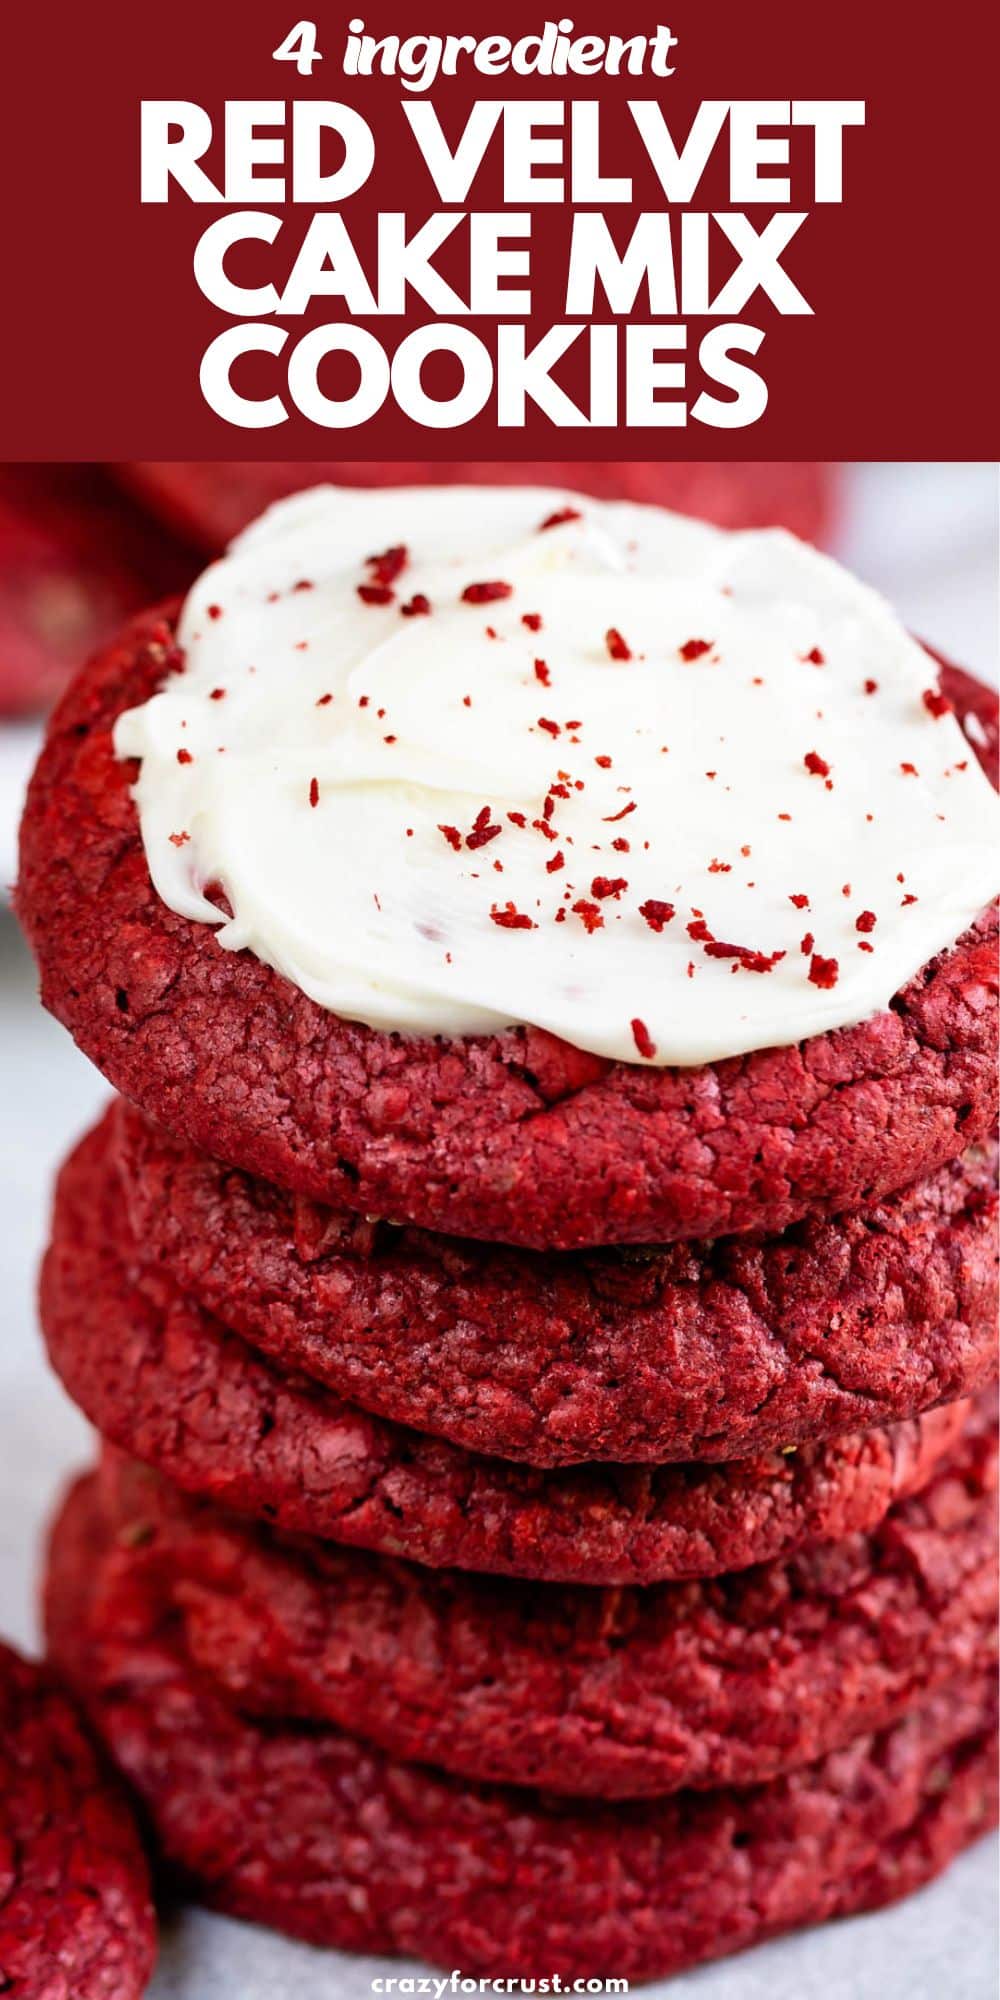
column 210, row 503
column 76, row 557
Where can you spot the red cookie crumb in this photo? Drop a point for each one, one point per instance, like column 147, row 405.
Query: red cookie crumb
column 388, row 566
column 486, row 593
column 823, row 972
column 643, row 1041
column 936, row 703
column 483, row 829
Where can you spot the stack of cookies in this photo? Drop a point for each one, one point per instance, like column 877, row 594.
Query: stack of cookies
column 544, row 1521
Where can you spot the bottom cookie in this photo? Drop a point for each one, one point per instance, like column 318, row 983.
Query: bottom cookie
column 308, row 1830
column 76, row 1921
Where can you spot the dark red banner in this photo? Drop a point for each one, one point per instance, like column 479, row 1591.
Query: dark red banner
column 747, row 232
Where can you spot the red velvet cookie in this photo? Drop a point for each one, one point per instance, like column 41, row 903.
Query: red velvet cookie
column 213, row 501
column 75, row 559
column 308, row 1830
column 514, row 1137
column 593, row 1693
column 702, row 1350
column 76, row 1922
column 168, row 1384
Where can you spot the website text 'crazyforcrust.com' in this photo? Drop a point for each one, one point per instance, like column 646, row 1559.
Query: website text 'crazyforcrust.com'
column 456, row 1982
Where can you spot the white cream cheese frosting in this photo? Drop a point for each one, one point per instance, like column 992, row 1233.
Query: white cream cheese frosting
column 461, row 758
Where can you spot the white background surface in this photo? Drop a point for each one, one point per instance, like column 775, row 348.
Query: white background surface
column 927, row 536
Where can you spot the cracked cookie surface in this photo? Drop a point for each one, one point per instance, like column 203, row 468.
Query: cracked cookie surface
column 694, row 1351
column 615, row 1693
column 166, row 1382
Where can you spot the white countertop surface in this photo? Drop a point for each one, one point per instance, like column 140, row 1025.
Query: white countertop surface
column 928, row 537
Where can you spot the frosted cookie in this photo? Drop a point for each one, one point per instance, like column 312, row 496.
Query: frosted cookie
column 663, row 920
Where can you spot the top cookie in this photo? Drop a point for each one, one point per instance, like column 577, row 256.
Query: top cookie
column 512, row 1134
